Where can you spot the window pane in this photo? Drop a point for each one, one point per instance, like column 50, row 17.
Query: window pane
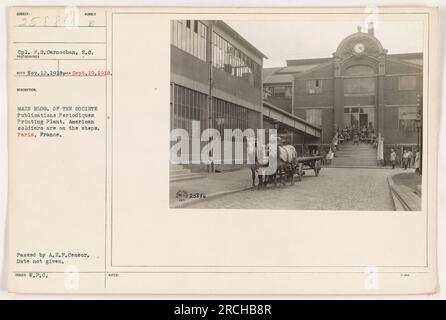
column 407, row 83
column 178, row 43
column 407, row 118
column 204, row 41
column 189, row 40
column 214, row 49
column 233, row 61
column 359, row 85
column 279, row 91
column 183, row 36
column 314, row 116
column 195, row 44
column 347, row 119
column 314, row 86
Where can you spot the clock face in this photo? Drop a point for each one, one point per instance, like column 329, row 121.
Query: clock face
column 359, row 48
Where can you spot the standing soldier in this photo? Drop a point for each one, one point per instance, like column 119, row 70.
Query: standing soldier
column 405, row 159
column 410, row 158
column 392, row 158
column 416, row 164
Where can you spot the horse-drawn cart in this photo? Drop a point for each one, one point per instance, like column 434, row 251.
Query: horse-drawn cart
column 308, row 163
column 288, row 166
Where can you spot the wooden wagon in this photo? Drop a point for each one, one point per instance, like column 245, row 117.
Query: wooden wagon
column 308, row 163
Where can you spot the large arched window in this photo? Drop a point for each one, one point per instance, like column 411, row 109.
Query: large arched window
column 359, row 80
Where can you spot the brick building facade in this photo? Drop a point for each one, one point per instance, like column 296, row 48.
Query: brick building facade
column 361, row 84
column 216, row 78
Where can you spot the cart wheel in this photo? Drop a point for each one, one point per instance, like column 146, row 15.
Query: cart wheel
column 317, row 168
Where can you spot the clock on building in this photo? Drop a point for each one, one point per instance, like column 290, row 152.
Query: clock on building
column 359, row 48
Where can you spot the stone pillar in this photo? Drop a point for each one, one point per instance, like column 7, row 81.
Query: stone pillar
column 209, row 60
column 338, row 99
column 380, row 97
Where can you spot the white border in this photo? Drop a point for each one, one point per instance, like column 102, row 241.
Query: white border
column 441, row 219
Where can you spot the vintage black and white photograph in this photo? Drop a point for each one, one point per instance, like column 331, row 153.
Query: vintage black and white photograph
column 297, row 114
column 245, row 151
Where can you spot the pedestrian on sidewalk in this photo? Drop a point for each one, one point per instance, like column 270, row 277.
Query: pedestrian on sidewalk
column 392, row 158
column 341, row 138
column 329, row 156
column 405, row 159
column 416, row 164
column 335, row 142
column 410, row 161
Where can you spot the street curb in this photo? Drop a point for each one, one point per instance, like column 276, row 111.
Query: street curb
column 214, row 195
column 355, row 167
column 401, row 202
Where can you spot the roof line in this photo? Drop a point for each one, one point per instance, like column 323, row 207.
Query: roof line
column 324, row 64
column 237, row 36
column 289, row 62
column 401, row 61
column 408, row 54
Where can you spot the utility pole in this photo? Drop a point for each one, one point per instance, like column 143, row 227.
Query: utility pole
column 209, row 58
column 419, row 123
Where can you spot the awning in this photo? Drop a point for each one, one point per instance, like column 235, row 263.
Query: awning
column 285, row 118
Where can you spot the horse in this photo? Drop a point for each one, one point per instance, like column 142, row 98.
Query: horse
column 285, row 158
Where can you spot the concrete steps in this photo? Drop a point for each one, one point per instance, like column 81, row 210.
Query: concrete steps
column 178, row 173
column 227, row 167
column 355, row 155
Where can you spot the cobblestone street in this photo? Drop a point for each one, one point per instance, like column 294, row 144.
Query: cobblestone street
column 334, row 189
